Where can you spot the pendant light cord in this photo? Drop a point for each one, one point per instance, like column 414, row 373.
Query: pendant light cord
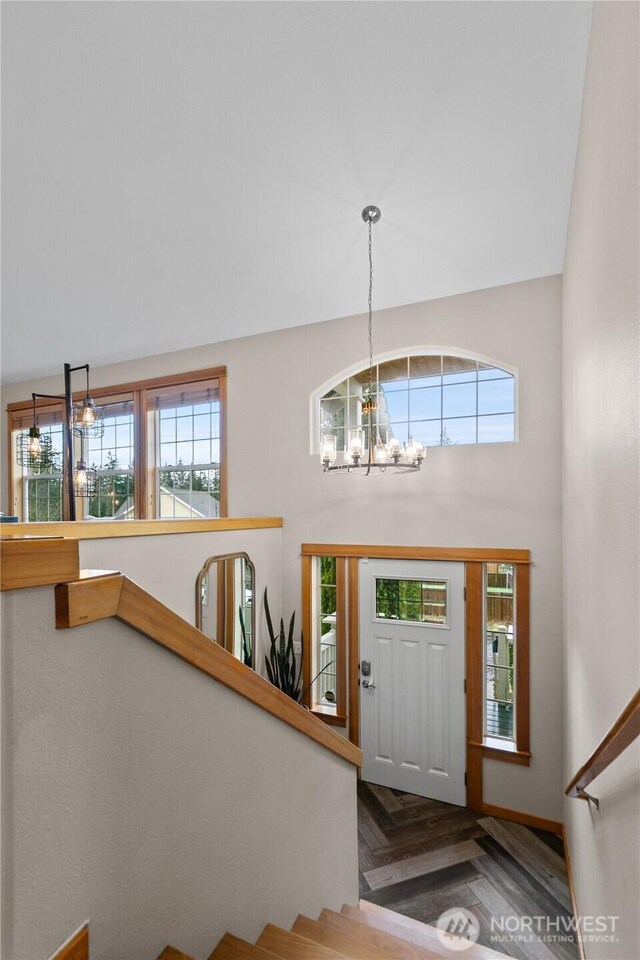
column 370, row 386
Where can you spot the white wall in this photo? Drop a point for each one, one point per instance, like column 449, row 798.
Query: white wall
column 601, row 474
column 495, row 495
column 167, row 567
column 134, row 794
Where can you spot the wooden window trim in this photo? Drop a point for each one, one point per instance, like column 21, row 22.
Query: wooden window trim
column 144, row 502
column 333, row 719
column 517, row 751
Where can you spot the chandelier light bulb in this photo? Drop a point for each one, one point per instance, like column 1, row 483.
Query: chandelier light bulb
column 381, row 453
column 394, row 449
column 328, row 449
column 355, row 445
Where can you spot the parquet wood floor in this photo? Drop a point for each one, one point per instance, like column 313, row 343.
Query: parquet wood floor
column 420, row 857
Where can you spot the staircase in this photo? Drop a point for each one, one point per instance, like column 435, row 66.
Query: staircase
column 366, row 932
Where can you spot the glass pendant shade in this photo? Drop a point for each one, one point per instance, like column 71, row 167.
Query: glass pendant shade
column 85, row 480
column 29, row 448
column 35, row 447
column 355, row 444
column 329, row 447
column 88, row 419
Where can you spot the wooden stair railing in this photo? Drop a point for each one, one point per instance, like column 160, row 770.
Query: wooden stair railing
column 623, row 732
column 102, row 594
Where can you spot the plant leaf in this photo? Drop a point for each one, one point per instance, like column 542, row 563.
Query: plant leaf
column 268, row 615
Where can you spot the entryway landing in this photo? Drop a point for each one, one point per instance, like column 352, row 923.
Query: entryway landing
column 422, row 857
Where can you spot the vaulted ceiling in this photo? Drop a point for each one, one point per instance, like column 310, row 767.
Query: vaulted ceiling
column 181, row 173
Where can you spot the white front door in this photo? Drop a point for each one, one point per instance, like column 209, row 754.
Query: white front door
column 412, row 696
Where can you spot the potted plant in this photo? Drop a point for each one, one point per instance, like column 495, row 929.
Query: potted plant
column 281, row 663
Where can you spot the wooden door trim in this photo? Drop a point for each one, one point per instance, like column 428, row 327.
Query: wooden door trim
column 353, row 605
column 473, row 657
column 382, row 552
column 473, row 558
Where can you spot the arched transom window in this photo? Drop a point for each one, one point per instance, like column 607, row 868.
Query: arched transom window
column 436, row 399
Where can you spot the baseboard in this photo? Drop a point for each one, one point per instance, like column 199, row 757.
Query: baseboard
column 528, row 819
column 572, row 892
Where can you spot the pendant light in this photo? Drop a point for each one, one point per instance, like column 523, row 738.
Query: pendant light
column 84, row 420
column 366, row 452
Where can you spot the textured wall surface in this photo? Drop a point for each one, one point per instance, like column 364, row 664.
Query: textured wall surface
column 167, row 567
column 493, row 495
column 146, row 797
column 601, row 474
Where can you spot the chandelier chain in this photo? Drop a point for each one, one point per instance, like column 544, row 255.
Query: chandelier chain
column 366, row 449
column 370, row 313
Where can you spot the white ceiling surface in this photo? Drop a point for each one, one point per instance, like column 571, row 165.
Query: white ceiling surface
column 182, row 173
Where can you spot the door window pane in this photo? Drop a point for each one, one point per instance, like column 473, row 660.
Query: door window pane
column 413, row 601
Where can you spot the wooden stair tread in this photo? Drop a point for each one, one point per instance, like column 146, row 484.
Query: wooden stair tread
column 406, row 928
column 292, row 946
column 422, row 935
column 233, row 948
column 170, row 953
column 344, row 943
column 389, row 943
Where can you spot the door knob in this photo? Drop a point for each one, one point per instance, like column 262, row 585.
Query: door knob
column 368, row 684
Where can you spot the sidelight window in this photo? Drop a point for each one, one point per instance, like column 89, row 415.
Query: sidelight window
column 499, row 651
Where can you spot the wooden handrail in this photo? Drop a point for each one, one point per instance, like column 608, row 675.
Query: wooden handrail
column 37, row 561
column 623, row 732
column 114, row 595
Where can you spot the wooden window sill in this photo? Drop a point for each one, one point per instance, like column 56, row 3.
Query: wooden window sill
column 506, row 754
column 333, row 719
column 105, row 529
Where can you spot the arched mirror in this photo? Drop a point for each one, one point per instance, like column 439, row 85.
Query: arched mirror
column 224, row 604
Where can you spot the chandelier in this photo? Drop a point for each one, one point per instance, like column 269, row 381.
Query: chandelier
column 83, row 420
column 367, row 452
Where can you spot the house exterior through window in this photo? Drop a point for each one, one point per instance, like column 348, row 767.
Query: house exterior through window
column 437, row 399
